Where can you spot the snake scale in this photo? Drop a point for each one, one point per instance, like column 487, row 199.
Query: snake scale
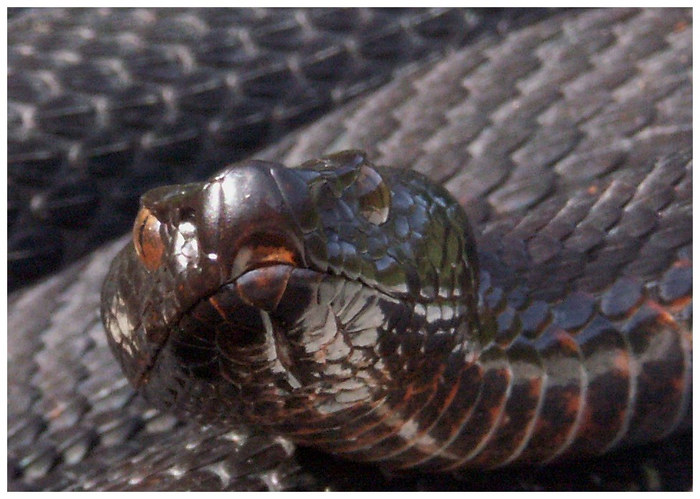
column 567, row 142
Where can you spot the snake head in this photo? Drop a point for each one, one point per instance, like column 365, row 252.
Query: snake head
column 291, row 298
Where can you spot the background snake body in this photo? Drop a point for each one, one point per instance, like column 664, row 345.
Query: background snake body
column 567, row 143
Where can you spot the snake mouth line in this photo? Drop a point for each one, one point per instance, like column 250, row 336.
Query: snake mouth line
column 253, row 287
column 144, row 373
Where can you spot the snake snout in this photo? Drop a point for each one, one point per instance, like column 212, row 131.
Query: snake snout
column 264, row 287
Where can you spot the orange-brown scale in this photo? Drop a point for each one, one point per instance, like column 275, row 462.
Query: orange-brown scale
column 663, row 316
column 217, row 306
column 444, row 396
column 606, row 403
column 658, row 353
column 262, row 254
column 495, row 382
column 363, row 423
column 479, row 428
column 558, row 411
column 518, row 415
column 394, row 442
column 452, row 417
column 364, row 445
column 679, row 304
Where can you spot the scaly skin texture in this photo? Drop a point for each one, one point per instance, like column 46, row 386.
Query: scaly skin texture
column 337, row 304
column 549, row 136
column 105, row 104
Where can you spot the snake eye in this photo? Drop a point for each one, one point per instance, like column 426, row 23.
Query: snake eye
column 147, row 241
column 373, row 195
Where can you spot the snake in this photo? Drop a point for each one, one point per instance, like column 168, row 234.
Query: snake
column 339, row 304
column 543, row 230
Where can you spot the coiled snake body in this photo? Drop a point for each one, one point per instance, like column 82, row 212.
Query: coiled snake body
column 566, row 141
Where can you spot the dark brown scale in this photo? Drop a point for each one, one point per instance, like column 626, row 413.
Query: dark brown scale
column 606, row 362
column 520, row 411
column 453, row 413
column 658, row 350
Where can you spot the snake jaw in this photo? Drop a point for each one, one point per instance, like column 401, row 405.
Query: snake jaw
column 280, row 289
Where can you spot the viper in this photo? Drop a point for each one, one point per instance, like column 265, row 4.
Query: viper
column 566, row 142
column 339, row 304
